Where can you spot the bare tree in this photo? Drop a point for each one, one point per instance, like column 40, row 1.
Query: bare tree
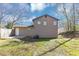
column 17, row 15
column 74, row 28
column 2, row 12
column 70, row 16
column 65, row 14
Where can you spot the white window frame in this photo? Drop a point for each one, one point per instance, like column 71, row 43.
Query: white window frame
column 45, row 23
column 38, row 22
column 17, row 31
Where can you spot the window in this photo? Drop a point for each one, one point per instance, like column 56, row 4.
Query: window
column 54, row 22
column 17, row 31
column 44, row 23
column 39, row 22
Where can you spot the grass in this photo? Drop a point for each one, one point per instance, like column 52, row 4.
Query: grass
column 72, row 47
column 15, row 47
column 77, row 27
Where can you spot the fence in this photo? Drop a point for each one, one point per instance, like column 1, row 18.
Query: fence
column 4, row 33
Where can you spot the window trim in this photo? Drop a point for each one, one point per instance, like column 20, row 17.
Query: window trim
column 44, row 23
column 38, row 22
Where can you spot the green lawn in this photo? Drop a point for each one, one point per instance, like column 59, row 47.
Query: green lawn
column 17, row 47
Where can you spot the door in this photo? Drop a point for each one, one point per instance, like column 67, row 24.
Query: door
column 17, row 31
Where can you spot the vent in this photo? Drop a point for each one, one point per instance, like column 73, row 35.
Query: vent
column 45, row 16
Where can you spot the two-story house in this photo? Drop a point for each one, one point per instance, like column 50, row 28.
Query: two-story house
column 44, row 26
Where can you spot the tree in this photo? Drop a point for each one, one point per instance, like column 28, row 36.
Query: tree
column 74, row 17
column 2, row 11
column 65, row 14
column 17, row 15
column 69, row 16
column 9, row 25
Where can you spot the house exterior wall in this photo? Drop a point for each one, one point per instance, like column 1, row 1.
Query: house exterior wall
column 24, row 31
column 43, row 30
column 49, row 30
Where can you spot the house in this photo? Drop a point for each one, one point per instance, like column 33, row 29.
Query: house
column 44, row 26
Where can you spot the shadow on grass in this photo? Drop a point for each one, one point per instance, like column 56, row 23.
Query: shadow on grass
column 12, row 43
column 36, row 40
column 56, row 47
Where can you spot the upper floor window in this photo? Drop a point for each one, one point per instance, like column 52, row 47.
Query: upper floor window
column 39, row 22
column 44, row 23
column 54, row 23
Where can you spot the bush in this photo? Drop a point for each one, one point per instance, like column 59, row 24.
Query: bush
column 9, row 25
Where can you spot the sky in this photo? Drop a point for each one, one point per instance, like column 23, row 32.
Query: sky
column 29, row 11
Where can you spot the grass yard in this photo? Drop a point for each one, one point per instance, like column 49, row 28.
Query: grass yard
column 77, row 27
column 16, row 47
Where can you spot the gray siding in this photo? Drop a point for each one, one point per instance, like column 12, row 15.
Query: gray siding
column 26, row 32
column 49, row 30
column 44, row 31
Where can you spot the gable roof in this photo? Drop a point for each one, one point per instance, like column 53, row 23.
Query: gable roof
column 45, row 16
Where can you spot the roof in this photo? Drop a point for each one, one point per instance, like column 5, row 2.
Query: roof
column 23, row 26
column 45, row 16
